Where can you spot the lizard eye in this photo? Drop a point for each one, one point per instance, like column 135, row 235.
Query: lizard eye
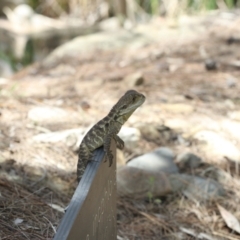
column 124, row 106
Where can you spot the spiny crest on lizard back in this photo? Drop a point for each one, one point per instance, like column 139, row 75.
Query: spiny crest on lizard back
column 127, row 104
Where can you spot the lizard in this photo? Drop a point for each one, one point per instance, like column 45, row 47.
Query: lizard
column 106, row 129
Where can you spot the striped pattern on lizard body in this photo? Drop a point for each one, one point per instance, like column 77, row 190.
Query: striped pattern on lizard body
column 106, row 129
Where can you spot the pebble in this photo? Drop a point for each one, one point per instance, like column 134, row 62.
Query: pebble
column 210, row 64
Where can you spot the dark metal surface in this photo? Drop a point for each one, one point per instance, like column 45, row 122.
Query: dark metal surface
column 91, row 213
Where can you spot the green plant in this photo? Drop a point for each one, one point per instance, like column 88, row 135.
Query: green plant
column 151, row 182
column 231, row 3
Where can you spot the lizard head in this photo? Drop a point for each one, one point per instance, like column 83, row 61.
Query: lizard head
column 128, row 103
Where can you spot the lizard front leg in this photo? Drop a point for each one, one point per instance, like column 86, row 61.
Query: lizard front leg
column 106, row 147
column 112, row 133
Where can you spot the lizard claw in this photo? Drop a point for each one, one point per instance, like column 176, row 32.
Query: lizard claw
column 110, row 158
column 119, row 142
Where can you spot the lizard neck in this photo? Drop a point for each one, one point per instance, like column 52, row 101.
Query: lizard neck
column 121, row 119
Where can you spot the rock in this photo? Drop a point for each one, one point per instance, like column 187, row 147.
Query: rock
column 188, row 160
column 218, row 174
column 71, row 136
column 103, row 40
column 143, row 183
column 48, row 114
column 137, row 183
column 179, row 182
column 17, row 221
column 134, row 79
column 130, row 136
column 217, row 146
column 160, row 160
column 201, row 189
column 149, row 132
column 210, row 64
column 159, row 134
column 85, row 105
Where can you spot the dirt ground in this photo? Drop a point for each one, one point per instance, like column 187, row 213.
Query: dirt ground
column 37, row 179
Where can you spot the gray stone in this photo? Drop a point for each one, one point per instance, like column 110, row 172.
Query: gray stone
column 196, row 188
column 137, row 183
column 188, row 160
column 200, row 189
column 210, row 64
column 179, row 182
column 160, row 160
column 218, row 174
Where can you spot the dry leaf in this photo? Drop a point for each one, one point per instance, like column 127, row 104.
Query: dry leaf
column 229, row 219
column 193, row 233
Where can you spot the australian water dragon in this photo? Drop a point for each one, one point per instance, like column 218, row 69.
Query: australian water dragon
column 106, row 129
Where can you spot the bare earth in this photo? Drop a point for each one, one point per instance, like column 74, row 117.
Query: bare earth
column 181, row 94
